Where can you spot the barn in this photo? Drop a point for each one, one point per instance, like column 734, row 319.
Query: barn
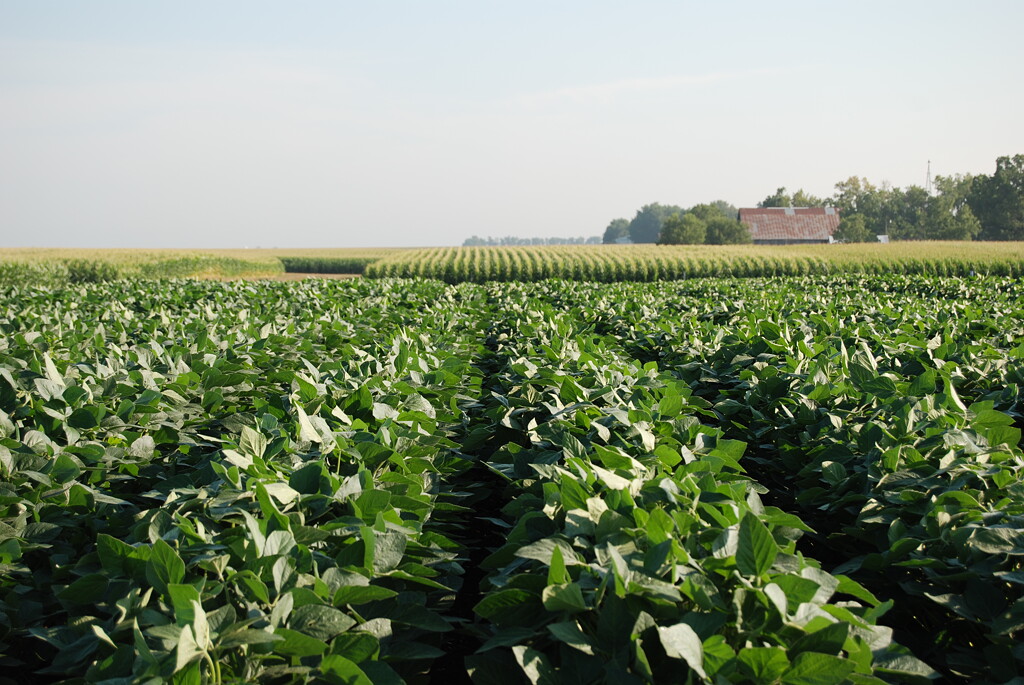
column 790, row 225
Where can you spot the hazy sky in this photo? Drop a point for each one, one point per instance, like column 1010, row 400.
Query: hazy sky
column 329, row 123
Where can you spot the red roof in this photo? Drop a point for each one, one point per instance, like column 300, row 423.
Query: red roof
column 791, row 223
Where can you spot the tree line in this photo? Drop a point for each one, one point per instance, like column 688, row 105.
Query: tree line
column 958, row 207
column 513, row 240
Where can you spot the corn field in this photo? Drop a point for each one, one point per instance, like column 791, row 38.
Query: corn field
column 611, row 263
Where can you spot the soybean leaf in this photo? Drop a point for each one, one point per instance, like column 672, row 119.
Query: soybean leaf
column 681, row 642
column 756, row 549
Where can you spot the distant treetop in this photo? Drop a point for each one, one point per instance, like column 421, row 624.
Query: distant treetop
column 489, row 241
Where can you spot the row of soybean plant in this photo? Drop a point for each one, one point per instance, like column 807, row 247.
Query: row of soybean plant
column 210, row 482
column 637, row 548
column 888, row 410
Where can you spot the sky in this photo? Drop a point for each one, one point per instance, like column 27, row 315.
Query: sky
column 328, row 123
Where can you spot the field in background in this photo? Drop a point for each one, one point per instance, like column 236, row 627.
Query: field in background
column 654, row 262
column 129, row 256
column 88, row 264
column 527, row 263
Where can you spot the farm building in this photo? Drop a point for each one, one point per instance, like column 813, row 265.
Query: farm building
column 789, row 225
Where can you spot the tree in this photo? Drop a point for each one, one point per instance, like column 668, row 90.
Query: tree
column 853, row 228
column 729, row 210
column 646, row 225
column 706, row 212
column 945, row 222
column 907, row 212
column 803, row 199
column 856, row 195
column 618, row 228
column 726, row 231
column 916, row 215
column 779, row 199
column 685, row 229
column 998, row 200
column 949, row 216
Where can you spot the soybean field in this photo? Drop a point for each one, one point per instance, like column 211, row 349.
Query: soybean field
column 802, row 479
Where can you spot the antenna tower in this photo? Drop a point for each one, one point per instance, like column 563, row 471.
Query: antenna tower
column 928, row 179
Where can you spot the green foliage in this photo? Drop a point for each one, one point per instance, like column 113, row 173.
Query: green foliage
column 206, row 265
column 963, row 207
column 707, row 480
column 326, row 265
column 666, row 263
column 998, row 200
column 35, row 273
column 726, row 231
column 687, row 229
column 201, row 480
column 618, row 228
column 90, row 271
column 646, row 225
column 781, row 198
column 853, row 228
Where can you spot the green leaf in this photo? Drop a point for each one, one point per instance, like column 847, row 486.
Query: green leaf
column 828, row 640
column 763, row 664
column 278, row 543
column 670, row 406
column 121, row 559
column 371, row 502
column 164, row 567
column 902, row 664
column 570, row 633
column 388, row 548
column 187, row 650
column 361, row 594
column 536, row 666
column 320, row 621
column 253, row 584
column 756, row 550
column 143, row 448
column 182, row 597
column 989, row 418
column 281, row 491
column 306, row 480
column 996, row 540
column 297, row 644
column 380, row 673
column 252, row 443
column 681, row 642
column 306, row 429
column 86, row 590
column 64, row 469
column 543, row 551
column 247, row 636
column 201, row 627
column 924, row 384
column 573, row 494
column 356, row 645
column 718, row 653
column 496, row 604
column 811, row 668
column 564, row 597
column 557, row 573
column 340, row 667
column 855, row 589
column 84, row 417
